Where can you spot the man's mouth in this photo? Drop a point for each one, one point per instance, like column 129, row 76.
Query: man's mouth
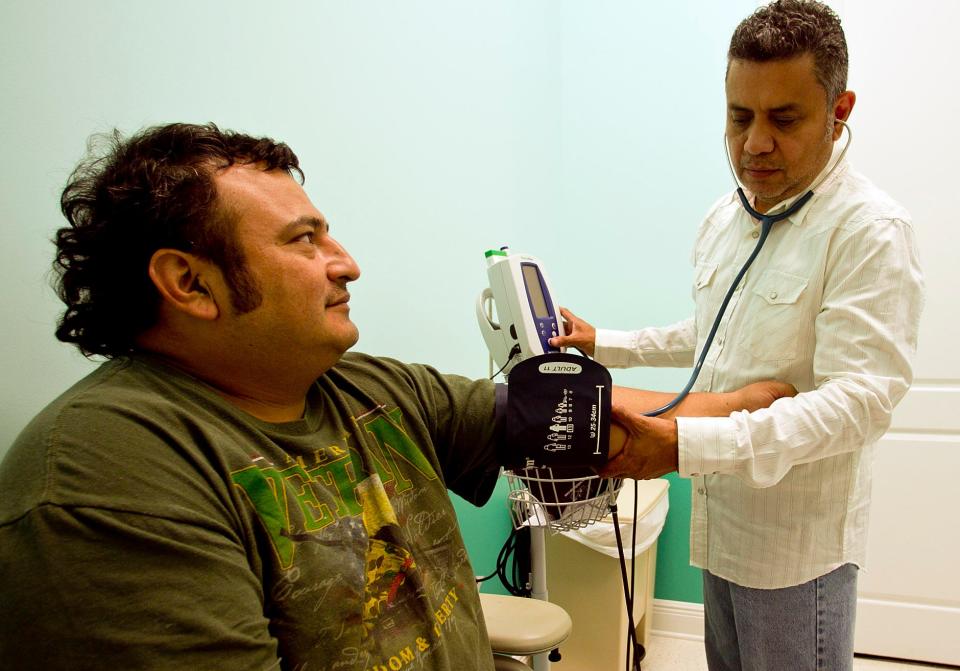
column 759, row 171
column 341, row 300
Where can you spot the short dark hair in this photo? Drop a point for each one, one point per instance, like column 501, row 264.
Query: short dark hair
column 151, row 191
column 790, row 28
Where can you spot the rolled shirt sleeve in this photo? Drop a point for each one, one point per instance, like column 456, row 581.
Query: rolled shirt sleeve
column 670, row 346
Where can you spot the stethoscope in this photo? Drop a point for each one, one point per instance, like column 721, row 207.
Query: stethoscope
column 766, row 223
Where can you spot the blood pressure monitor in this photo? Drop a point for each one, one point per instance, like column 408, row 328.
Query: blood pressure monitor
column 526, row 314
column 558, row 407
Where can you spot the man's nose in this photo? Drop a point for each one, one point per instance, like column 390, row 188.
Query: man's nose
column 759, row 140
column 342, row 266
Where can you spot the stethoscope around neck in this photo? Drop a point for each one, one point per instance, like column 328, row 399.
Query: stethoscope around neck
column 766, row 223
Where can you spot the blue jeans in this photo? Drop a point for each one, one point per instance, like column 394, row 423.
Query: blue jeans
column 808, row 627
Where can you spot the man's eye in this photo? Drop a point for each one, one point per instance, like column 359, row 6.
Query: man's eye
column 739, row 120
column 785, row 122
column 305, row 237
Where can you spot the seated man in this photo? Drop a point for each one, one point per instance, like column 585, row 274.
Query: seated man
column 231, row 490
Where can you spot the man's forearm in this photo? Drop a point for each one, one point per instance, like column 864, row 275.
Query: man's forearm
column 646, row 447
column 694, row 405
column 702, row 404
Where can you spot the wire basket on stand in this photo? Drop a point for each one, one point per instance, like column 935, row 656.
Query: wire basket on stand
column 560, row 499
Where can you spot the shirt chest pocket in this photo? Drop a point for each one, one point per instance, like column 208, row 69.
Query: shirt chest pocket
column 704, row 287
column 775, row 318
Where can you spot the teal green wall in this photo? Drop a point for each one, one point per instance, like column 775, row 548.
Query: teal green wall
column 587, row 133
column 484, row 531
column 676, row 579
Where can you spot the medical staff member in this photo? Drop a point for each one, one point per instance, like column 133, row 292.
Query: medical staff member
column 832, row 305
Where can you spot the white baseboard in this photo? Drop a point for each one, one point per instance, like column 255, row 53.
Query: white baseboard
column 677, row 619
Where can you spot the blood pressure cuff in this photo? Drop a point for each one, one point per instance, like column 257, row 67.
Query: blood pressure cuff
column 558, row 413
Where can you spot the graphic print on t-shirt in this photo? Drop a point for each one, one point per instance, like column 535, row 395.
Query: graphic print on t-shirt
column 388, row 564
column 301, row 498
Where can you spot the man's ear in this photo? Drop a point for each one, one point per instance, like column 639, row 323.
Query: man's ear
column 180, row 279
column 841, row 110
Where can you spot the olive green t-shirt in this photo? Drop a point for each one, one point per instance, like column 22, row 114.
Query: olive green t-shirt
column 145, row 523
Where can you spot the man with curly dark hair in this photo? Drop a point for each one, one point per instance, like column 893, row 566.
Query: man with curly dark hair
column 232, row 489
column 154, row 191
column 832, row 304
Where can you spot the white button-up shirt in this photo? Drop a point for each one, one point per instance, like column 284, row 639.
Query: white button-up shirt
column 831, row 305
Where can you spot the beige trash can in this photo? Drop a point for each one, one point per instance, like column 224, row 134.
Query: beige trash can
column 584, row 579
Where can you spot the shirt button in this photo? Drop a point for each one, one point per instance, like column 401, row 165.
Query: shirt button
column 701, row 491
column 755, row 235
column 773, row 294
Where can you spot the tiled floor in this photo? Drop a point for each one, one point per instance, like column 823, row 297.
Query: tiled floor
column 675, row 654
